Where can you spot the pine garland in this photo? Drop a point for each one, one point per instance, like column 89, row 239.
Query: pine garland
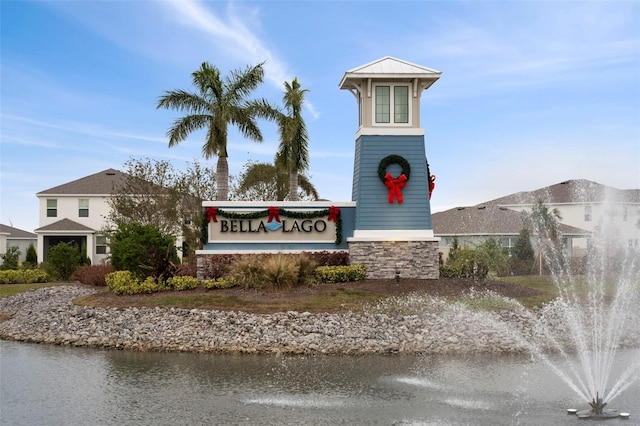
column 265, row 213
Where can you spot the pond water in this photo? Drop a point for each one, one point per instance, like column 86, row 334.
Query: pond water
column 52, row 385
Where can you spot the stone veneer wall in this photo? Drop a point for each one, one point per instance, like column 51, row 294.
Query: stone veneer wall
column 414, row 259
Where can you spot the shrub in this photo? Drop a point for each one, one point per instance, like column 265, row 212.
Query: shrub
column 329, row 258
column 32, row 256
column 10, row 259
column 280, row 271
column 188, row 267
column 23, row 276
column 219, row 265
column 306, row 269
column 219, row 283
column 339, row 274
column 93, row 274
column 34, row 276
column 124, row 282
column 467, row 263
column 184, row 282
column 62, row 260
column 144, row 250
column 248, row 272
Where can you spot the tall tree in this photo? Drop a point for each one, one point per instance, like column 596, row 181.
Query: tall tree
column 545, row 224
column 216, row 104
column 293, row 152
column 265, row 182
column 153, row 192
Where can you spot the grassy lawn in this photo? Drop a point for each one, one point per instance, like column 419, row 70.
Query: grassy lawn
column 11, row 289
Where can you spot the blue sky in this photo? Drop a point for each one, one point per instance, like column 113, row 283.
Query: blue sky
column 531, row 93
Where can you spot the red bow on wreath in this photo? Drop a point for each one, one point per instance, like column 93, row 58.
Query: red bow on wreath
column 333, row 214
column 274, row 214
column 395, row 186
column 211, row 214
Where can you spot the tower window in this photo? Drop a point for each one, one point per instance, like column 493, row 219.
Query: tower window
column 392, row 101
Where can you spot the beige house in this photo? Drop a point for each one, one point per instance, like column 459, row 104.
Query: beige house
column 585, row 207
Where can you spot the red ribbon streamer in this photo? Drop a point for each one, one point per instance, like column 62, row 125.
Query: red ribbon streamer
column 274, row 213
column 395, row 186
column 211, row 214
column 333, row 214
column 432, row 184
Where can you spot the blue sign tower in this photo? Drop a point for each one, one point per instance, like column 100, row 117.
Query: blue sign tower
column 393, row 235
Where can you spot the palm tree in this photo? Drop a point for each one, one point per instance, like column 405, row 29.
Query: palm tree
column 266, row 182
column 545, row 223
column 293, row 152
column 214, row 106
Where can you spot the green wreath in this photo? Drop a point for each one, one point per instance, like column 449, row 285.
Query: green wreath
column 393, row 159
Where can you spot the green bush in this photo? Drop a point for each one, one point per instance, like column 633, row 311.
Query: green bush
column 10, row 259
column 340, row 274
column 34, row 276
column 488, row 257
column 23, row 276
column 124, row 282
column 219, row 283
column 184, row 282
column 62, row 260
column 144, row 251
column 31, row 258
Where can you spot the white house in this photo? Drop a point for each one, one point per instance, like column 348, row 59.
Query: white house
column 14, row 237
column 586, row 208
column 77, row 212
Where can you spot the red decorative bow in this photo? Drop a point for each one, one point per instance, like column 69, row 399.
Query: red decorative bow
column 274, row 213
column 395, row 186
column 432, row 184
column 211, row 214
column 333, row 214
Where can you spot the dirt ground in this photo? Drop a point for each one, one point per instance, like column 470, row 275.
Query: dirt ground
column 443, row 287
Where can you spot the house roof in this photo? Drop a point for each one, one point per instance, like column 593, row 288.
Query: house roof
column 570, row 191
column 485, row 220
column 389, row 67
column 101, row 183
column 15, row 233
column 65, row 225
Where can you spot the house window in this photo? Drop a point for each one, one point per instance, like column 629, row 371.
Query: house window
column 392, row 101
column 52, row 208
column 587, row 213
column 101, row 244
column 83, row 208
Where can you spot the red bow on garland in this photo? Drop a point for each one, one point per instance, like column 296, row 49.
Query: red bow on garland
column 211, row 214
column 333, row 214
column 274, row 213
column 395, row 186
column 432, row 184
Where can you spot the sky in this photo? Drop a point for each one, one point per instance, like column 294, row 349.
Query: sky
column 531, row 93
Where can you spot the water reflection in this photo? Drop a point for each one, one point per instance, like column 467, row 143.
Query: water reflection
column 45, row 385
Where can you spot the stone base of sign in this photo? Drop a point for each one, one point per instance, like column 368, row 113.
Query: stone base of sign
column 386, row 259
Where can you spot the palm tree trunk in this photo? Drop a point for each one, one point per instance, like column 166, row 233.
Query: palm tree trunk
column 222, row 179
column 293, row 184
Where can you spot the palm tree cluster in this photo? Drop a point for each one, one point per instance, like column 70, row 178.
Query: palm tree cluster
column 218, row 103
